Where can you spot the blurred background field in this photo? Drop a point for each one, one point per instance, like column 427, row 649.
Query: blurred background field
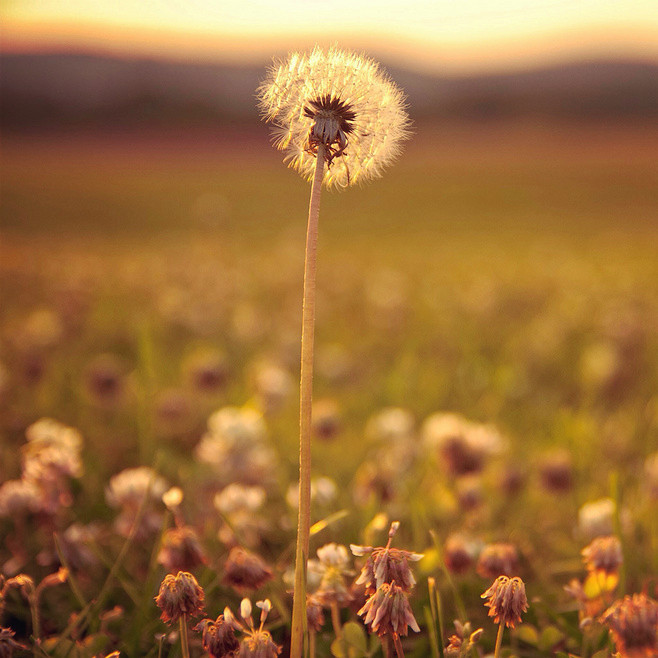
column 504, row 269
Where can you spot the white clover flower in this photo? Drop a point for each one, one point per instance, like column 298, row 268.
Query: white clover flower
column 238, row 498
column 128, row 488
column 338, row 100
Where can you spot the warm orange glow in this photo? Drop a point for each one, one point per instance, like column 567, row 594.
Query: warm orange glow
column 473, row 39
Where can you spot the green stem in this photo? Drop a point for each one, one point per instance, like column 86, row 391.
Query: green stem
column 499, row 640
column 299, row 622
column 338, row 629
column 184, row 640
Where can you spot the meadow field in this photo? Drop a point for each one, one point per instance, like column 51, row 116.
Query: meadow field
column 486, row 374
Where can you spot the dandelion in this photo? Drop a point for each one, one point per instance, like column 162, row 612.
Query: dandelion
column 338, row 104
column 506, row 600
column 336, row 109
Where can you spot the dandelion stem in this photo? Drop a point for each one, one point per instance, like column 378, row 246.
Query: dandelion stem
column 499, row 640
column 299, row 623
column 184, row 640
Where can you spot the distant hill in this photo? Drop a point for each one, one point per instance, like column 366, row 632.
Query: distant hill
column 40, row 90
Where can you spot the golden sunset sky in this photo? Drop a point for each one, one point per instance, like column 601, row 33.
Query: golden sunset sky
column 437, row 35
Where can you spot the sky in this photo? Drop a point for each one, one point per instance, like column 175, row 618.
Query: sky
column 434, row 35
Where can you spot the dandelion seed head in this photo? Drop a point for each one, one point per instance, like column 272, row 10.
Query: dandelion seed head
column 341, row 100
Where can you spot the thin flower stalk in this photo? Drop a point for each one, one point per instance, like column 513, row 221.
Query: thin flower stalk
column 334, row 108
column 184, row 639
column 306, row 397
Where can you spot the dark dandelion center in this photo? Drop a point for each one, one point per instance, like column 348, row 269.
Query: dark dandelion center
column 333, row 121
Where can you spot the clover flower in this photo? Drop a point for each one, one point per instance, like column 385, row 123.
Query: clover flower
column 463, row 641
column 181, row 550
column 463, row 447
column 633, row 622
column 236, row 446
column 603, row 555
column 506, row 600
column 498, row 560
column 388, row 612
column 333, row 565
column 257, row 642
column 596, row 518
column 244, row 570
column 127, row 490
column 18, row 498
column 386, row 564
column 179, row 596
column 340, row 101
column 388, row 582
column 460, row 553
column 218, row 637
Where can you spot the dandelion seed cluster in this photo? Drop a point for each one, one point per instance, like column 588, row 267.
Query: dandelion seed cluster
column 341, row 100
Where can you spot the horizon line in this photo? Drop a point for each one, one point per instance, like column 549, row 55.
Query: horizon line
column 450, row 59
